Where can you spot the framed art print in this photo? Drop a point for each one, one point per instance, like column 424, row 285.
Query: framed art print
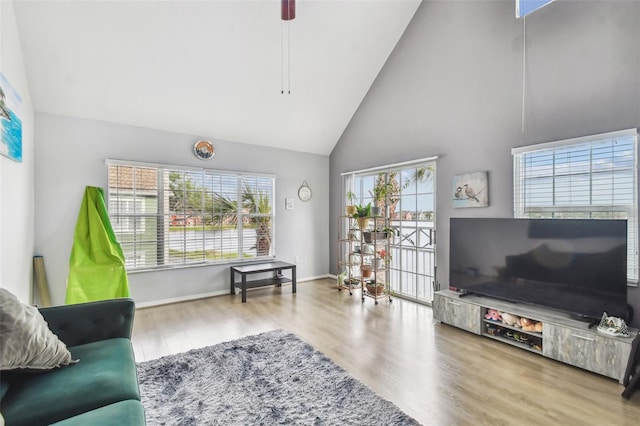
column 470, row 190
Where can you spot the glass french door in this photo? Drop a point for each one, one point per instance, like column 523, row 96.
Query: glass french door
column 410, row 205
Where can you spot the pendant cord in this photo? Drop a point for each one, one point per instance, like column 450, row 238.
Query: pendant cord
column 288, row 59
column 282, row 58
column 524, row 68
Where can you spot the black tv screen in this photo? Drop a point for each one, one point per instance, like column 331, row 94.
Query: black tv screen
column 578, row 266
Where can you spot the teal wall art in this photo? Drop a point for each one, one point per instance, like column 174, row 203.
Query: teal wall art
column 10, row 122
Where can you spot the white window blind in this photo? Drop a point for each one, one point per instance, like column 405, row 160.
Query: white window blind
column 167, row 216
column 593, row 177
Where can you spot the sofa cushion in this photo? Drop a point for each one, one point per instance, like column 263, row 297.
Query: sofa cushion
column 26, row 342
column 105, row 374
column 129, row 412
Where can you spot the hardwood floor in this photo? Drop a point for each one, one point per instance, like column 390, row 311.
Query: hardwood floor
column 435, row 373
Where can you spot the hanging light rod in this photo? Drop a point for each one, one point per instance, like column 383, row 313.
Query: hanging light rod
column 288, row 13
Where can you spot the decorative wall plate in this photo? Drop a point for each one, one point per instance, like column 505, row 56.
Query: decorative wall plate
column 203, row 150
column 304, row 192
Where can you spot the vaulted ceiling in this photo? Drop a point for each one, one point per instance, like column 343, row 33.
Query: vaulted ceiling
column 211, row 68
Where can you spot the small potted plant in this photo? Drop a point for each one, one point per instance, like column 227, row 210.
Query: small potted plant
column 377, row 234
column 383, row 258
column 375, row 288
column 379, row 194
column 366, row 270
column 351, row 208
column 362, row 214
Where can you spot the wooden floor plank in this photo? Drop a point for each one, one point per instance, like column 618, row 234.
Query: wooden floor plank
column 437, row 374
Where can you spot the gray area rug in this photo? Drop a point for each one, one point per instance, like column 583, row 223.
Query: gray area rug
column 269, row 378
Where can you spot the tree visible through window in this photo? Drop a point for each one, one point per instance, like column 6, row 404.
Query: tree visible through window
column 169, row 216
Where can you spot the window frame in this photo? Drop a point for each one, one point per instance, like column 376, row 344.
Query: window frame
column 163, row 216
column 522, row 210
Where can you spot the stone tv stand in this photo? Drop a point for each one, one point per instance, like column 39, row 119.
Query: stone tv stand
column 562, row 338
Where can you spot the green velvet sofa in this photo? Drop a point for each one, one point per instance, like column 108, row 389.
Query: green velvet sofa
column 101, row 389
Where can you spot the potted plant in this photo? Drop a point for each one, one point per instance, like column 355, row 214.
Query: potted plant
column 366, row 270
column 384, row 257
column 375, row 288
column 379, row 194
column 377, row 234
column 362, row 214
column 351, row 208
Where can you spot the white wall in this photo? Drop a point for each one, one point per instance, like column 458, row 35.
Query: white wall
column 16, row 179
column 71, row 155
column 453, row 87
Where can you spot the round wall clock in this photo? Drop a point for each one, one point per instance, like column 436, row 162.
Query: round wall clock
column 304, row 192
column 203, row 150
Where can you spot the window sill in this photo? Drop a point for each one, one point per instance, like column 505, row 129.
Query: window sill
column 200, row 265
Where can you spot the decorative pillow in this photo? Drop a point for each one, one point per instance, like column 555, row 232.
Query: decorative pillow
column 25, row 339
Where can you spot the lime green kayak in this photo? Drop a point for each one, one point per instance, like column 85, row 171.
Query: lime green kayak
column 96, row 266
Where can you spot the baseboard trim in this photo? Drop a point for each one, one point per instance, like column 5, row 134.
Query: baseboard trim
column 153, row 303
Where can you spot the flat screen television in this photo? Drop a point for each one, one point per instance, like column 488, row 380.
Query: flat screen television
column 578, row 266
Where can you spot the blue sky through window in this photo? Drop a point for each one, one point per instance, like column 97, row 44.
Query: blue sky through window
column 525, row 7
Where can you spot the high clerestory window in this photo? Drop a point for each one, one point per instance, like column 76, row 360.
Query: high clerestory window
column 588, row 177
column 168, row 216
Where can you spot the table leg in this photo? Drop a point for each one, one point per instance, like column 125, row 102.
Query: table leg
column 244, row 288
column 232, row 283
column 293, row 279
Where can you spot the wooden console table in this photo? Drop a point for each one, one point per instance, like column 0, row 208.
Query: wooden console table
column 258, row 268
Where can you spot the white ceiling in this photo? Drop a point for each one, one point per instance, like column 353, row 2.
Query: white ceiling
column 210, row 68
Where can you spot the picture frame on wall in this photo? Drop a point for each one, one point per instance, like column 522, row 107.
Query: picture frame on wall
column 10, row 121
column 470, row 190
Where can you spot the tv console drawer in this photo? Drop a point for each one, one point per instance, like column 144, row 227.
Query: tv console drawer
column 587, row 349
column 457, row 313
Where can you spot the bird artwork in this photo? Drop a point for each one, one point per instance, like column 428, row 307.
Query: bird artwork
column 470, row 193
column 4, row 111
column 458, row 194
column 470, row 190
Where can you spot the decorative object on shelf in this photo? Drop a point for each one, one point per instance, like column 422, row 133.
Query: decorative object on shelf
column 362, row 214
column 366, row 270
column 10, row 121
column 368, row 249
column 350, row 208
column 375, row 288
column 370, row 236
column 613, row 326
column 493, row 315
column 378, row 263
column 385, row 255
column 204, row 150
column 379, row 194
column 304, row 192
column 470, row 190
column 530, row 325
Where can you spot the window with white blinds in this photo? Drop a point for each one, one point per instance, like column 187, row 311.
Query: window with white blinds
column 591, row 177
column 167, row 216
